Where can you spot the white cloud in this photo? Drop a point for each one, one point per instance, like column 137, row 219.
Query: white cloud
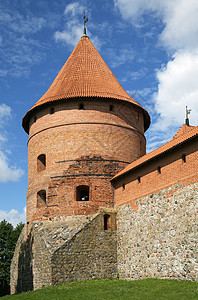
column 13, row 216
column 7, row 172
column 177, row 88
column 177, row 80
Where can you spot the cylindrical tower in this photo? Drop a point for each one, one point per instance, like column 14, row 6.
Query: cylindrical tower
column 82, row 131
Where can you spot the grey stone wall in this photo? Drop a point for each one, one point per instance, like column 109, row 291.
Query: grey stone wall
column 66, row 249
column 90, row 254
column 160, row 238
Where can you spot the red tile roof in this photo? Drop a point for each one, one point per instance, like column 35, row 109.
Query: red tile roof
column 183, row 134
column 85, row 74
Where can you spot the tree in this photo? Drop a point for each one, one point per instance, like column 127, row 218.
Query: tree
column 8, row 238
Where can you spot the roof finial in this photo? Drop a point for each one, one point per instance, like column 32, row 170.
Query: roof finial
column 187, row 114
column 85, row 21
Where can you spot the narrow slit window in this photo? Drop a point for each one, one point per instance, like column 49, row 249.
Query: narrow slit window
column 41, row 163
column 41, row 198
column 81, row 106
column 184, row 158
column 111, row 108
column 139, row 179
column 159, row 170
column 35, row 118
column 82, row 193
column 106, row 222
column 123, row 186
column 52, row 110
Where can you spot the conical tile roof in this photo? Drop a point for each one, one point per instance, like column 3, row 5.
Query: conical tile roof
column 85, row 74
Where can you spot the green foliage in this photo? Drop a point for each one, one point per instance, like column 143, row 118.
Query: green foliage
column 149, row 289
column 8, row 239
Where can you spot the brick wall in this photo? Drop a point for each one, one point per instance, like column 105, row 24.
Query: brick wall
column 81, row 147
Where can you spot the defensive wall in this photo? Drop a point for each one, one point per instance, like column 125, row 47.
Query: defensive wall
column 157, row 204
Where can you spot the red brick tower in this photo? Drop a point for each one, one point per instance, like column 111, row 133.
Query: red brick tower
column 82, row 131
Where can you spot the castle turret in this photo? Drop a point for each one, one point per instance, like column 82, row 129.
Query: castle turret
column 82, row 131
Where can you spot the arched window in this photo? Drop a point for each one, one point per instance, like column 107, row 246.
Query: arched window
column 106, row 222
column 41, row 198
column 82, row 193
column 41, row 162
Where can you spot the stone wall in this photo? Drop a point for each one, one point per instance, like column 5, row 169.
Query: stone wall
column 65, row 249
column 159, row 239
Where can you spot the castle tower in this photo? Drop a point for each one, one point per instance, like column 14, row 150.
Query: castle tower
column 82, row 131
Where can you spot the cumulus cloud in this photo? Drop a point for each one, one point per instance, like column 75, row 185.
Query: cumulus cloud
column 177, row 88
column 13, row 216
column 177, row 79
column 7, row 172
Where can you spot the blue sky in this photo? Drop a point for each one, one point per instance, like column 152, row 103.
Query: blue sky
column 151, row 46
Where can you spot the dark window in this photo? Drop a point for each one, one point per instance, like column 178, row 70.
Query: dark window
column 111, row 108
column 52, row 110
column 159, row 170
column 184, row 158
column 41, row 198
column 81, row 106
column 139, row 179
column 123, row 186
column 106, row 222
column 82, row 193
column 41, row 162
column 35, row 118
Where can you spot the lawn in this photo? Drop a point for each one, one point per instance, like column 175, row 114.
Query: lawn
column 115, row 289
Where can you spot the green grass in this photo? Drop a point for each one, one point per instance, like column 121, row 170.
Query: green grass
column 115, row 289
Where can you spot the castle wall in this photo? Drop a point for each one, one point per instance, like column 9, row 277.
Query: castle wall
column 157, row 217
column 63, row 250
column 159, row 239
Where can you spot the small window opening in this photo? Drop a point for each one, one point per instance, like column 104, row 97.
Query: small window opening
column 41, row 198
column 184, row 158
column 82, row 193
column 81, row 106
column 138, row 116
column 106, row 222
column 35, row 118
column 111, row 108
column 140, row 145
column 159, row 170
column 123, row 186
column 52, row 110
column 41, row 162
column 139, row 179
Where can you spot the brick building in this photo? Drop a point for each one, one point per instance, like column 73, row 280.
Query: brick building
column 98, row 206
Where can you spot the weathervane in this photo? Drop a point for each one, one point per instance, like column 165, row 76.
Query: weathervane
column 85, row 21
column 187, row 114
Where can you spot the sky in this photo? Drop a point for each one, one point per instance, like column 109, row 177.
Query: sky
column 151, row 46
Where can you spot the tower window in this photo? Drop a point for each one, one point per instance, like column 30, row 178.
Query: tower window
column 82, row 193
column 35, row 118
column 41, row 198
column 106, row 222
column 81, row 106
column 111, row 108
column 52, row 110
column 41, row 162
column 184, row 158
